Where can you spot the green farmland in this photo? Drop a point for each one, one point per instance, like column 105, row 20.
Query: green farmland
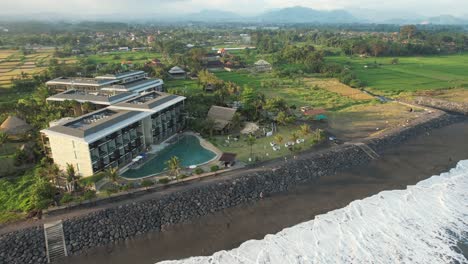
column 411, row 74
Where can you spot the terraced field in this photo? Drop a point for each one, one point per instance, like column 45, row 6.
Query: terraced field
column 13, row 64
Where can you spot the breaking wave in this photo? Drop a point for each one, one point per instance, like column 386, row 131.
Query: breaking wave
column 422, row 224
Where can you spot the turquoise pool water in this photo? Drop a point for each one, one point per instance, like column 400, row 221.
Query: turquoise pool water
column 187, row 149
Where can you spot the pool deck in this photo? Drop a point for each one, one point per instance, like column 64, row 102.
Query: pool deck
column 158, row 148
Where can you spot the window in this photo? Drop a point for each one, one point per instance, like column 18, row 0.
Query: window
column 76, row 156
column 73, row 143
column 78, row 167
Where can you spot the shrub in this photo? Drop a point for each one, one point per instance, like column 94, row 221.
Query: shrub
column 110, row 191
column 92, row 179
column 182, row 176
column 199, row 171
column 126, row 187
column 89, row 194
column 164, row 180
column 66, row 198
column 147, row 183
column 214, row 168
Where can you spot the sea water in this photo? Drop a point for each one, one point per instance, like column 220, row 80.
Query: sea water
column 426, row 223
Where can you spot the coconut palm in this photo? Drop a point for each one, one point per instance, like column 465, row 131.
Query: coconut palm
column 174, row 166
column 71, row 177
column 305, row 129
column 112, row 174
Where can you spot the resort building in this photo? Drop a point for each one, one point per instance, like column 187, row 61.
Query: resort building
column 103, row 90
column 115, row 135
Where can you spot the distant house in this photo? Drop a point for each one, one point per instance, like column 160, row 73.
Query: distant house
column 124, row 49
column 262, row 66
column 14, row 126
column 155, row 62
column 177, row 73
column 222, row 117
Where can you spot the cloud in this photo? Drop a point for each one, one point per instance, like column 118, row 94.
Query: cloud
column 84, row 7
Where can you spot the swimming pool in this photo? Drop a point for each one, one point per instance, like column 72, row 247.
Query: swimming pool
column 187, row 149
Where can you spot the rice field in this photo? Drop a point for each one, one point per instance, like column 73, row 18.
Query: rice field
column 411, row 74
column 13, row 63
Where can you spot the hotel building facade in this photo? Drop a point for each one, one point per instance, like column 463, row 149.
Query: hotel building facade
column 111, row 137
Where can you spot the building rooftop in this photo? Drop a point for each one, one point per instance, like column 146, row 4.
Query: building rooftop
column 99, row 97
column 149, row 101
column 80, row 81
column 92, row 123
column 95, row 125
column 119, row 76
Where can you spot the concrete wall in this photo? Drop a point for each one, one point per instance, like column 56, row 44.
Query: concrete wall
column 456, row 107
column 63, row 152
column 124, row 222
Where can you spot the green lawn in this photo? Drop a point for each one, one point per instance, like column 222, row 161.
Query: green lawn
column 411, row 74
column 262, row 149
column 188, row 86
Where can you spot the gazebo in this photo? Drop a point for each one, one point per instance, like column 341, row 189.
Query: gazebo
column 222, row 116
column 177, row 73
column 228, row 159
column 14, row 126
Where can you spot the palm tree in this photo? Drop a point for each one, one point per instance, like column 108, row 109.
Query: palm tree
column 174, row 166
column 279, row 139
column 305, row 129
column 318, row 134
column 294, row 137
column 112, row 174
column 251, row 141
column 71, row 177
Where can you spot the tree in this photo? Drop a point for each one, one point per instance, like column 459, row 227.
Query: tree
column 409, row 31
column 42, row 194
column 71, row 177
column 3, row 138
column 174, row 166
column 294, row 137
column 279, row 139
column 112, row 174
column 251, row 142
column 305, row 129
column 281, row 118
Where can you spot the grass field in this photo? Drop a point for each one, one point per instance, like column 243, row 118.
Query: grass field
column 329, row 94
column 117, row 57
column 410, row 74
column 262, row 148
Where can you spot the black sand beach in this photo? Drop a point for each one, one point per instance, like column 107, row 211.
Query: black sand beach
column 419, row 158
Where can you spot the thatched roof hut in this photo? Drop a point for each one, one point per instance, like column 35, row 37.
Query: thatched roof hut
column 15, row 126
column 222, row 116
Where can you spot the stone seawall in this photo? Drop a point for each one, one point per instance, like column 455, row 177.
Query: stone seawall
column 127, row 221
column 455, row 107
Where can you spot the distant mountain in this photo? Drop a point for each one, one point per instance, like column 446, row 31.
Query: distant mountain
column 301, row 14
column 211, row 15
column 446, row 20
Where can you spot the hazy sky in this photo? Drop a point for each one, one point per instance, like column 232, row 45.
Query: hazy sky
column 89, row 7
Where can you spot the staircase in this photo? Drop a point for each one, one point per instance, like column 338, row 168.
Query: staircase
column 55, row 241
column 369, row 151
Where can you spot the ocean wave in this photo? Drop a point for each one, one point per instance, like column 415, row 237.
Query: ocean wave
column 421, row 224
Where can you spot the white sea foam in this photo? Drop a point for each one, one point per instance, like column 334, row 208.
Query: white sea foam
column 421, row 224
